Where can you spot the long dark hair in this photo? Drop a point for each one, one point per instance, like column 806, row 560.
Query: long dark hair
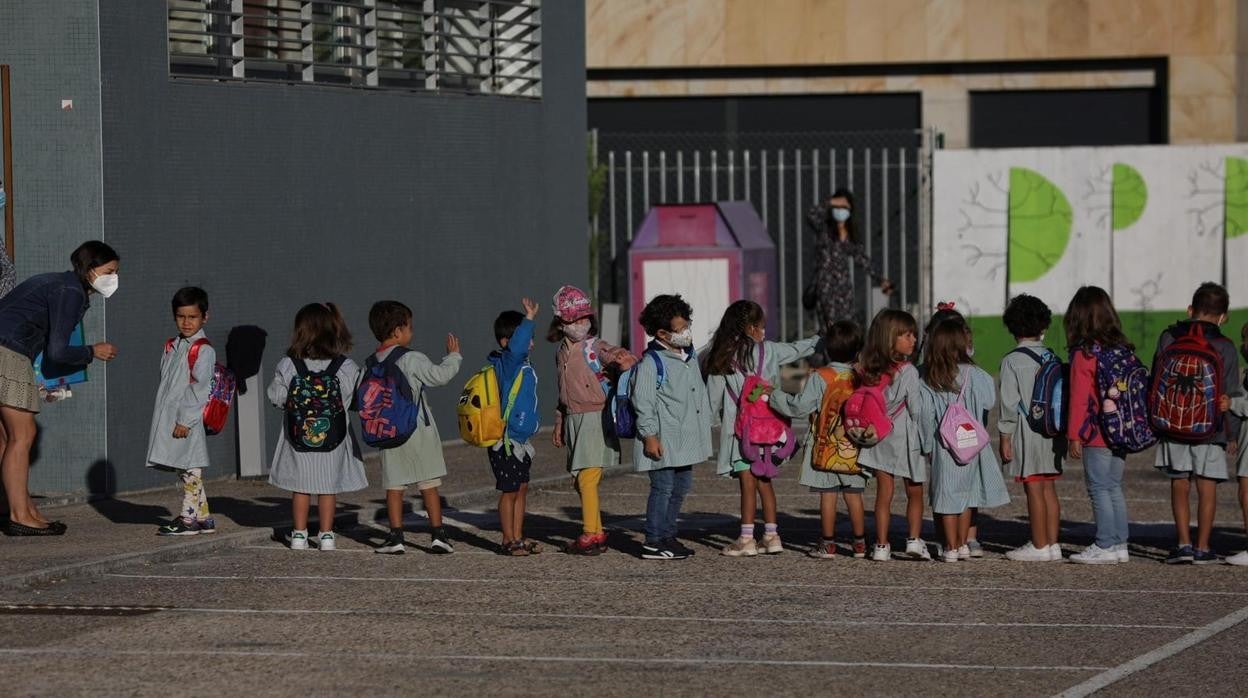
column 731, row 346
column 947, row 347
column 877, row 354
column 851, row 225
column 1091, row 319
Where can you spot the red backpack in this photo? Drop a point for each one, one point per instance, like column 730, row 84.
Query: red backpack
column 1187, row 382
column 866, row 415
column 221, row 392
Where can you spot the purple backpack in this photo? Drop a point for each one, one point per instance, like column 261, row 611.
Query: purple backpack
column 961, row 433
column 1122, row 384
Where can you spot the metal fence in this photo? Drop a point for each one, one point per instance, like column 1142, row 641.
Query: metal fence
column 783, row 176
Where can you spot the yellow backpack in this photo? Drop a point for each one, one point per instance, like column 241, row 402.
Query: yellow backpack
column 482, row 421
column 833, row 451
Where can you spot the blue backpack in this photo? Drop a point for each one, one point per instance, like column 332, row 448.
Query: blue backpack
column 388, row 414
column 1046, row 411
column 620, row 416
column 1122, row 385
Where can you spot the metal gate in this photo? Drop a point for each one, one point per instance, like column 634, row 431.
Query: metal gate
column 783, row 176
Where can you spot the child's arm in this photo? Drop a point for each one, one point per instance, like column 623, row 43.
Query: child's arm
column 195, row 394
column 928, row 419
column 716, row 387
column 517, row 350
column 645, row 398
column 281, row 382
column 1011, row 398
column 612, row 355
column 909, row 388
column 802, row 404
column 417, row 366
column 1082, row 390
column 348, row 380
column 788, row 352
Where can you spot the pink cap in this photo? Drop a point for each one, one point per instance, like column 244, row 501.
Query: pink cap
column 571, row 304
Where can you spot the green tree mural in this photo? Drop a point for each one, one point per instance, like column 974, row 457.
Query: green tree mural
column 1130, row 196
column 1236, row 193
column 1040, row 220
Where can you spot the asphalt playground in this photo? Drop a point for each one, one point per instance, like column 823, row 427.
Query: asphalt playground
column 247, row 615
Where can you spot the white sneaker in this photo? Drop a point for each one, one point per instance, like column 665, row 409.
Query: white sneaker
column 771, row 544
column 882, row 553
column 976, row 549
column 327, row 541
column 950, row 556
column 741, row 547
column 1240, row 558
column 916, row 549
column 1095, row 555
column 964, row 553
column 1055, row 553
column 297, row 540
column 1030, row 553
column 1121, row 551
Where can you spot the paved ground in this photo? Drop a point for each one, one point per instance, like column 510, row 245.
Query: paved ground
column 250, row 615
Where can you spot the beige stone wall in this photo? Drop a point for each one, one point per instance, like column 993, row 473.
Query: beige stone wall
column 1208, row 82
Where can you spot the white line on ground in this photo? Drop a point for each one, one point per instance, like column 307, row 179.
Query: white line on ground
column 1162, row 653
column 722, row 661
column 615, row 617
column 714, row 495
column 369, row 551
column 653, row 583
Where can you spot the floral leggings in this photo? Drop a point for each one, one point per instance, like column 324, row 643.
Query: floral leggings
column 194, row 500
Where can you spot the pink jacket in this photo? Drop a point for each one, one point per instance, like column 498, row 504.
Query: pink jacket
column 579, row 389
column 1083, row 387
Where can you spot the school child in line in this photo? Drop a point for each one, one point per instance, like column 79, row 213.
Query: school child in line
column 1092, row 323
column 944, row 311
column 739, row 349
column 317, row 453
column 673, row 422
column 177, row 441
column 1203, row 462
column 419, row 460
column 1032, row 459
column 581, row 364
column 889, row 345
column 951, row 376
column 1240, row 408
column 511, row 459
column 826, row 390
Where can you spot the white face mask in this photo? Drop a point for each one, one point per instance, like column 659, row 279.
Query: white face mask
column 577, row 331
column 970, row 351
column 681, row 339
column 840, row 215
column 106, row 284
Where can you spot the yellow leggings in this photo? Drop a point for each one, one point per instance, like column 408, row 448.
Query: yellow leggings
column 587, row 486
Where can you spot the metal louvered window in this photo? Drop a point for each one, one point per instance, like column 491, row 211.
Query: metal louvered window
column 478, row 46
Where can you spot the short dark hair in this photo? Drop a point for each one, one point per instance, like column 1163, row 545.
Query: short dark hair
column 387, row 316
column 190, row 295
column 661, row 310
column 1027, row 316
column 89, row 255
column 1210, row 299
column 506, row 323
column 842, row 342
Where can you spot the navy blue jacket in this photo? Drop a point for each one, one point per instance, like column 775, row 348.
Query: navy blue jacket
column 39, row 315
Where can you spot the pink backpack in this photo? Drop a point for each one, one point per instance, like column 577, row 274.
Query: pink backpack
column 865, row 414
column 960, row 432
column 766, row 436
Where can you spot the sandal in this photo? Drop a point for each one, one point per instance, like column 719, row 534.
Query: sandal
column 515, row 548
column 531, row 545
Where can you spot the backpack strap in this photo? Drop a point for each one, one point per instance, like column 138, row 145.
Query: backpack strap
column 301, row 368
column 193, row 355
column 595, row 365
column 1034, row 356
column 511, row 402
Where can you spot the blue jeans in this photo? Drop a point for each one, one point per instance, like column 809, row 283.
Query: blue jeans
column 1102, row 472
column 668, row 488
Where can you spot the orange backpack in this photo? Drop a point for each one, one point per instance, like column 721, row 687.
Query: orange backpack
column 833, row 451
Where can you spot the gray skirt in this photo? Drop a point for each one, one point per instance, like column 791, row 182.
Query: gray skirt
column 587, row 446
column 17, row 381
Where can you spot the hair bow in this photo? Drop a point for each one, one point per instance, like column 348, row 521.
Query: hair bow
column 946, row 305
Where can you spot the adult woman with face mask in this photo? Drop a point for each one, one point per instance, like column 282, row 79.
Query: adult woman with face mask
column 830, row 292
column 39, row 316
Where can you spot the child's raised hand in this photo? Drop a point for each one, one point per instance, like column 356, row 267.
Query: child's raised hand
column 452, row 343
column 1224, row 403
column 530, row 308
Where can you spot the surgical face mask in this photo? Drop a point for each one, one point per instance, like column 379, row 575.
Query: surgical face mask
column 840, row 214
column 106, row 284
column 577, row 331
column 681, row 339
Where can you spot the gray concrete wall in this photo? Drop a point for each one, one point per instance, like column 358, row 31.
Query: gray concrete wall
column 272, row 196
column 53, row 54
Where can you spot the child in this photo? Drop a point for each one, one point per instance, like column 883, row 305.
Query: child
column 418, row 460
column 580, row 361
column 1091, row 321
column 1203, row 462
column 842, row 343
column 950, row 376
column 1240, row 407
column 317, row 349
column 890, row 342
column 673, row 422
column 738, row 344
column 177, row 440
column 512, row 458
column 1033, row 459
